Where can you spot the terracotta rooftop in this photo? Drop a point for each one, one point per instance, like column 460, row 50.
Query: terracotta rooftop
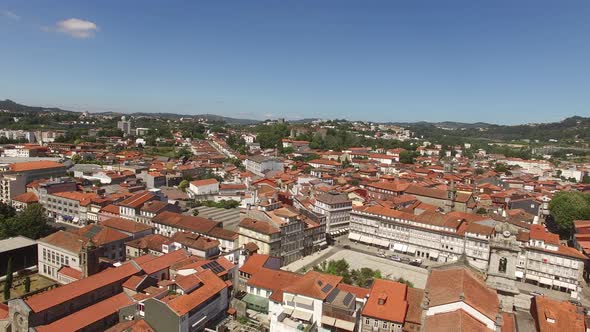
column 194, row 241
column 453, row 321
column 553, row 315
column 28, row 198
column 125, row 225
column 43, row 301
column 81, row 319
column 34, row 165
column 66, row 240
column 387, row 301
column 204, row 182
column 100, row 235
column 449, row 286
column 190, row 223
column 259, row 226
column 274, row 281
column 164, row 261
column 314, row 284
column 211, row 285
column 254, row 263
column 150, row 242
column 137, row 200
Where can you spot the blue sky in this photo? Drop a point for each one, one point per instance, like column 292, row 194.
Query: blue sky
column 495, row 61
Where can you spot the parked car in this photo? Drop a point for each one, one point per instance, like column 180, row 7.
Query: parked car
column 395, row 258
column 537, row 294
column 346, row 246
column 416, row 262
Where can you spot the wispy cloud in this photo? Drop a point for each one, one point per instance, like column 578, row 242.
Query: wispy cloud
column 75, row 27
column 9, row 15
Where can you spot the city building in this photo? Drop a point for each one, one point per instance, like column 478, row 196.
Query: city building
column 260, row 165
column 336, row 207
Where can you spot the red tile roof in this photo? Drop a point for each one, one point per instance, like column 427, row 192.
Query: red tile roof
column 137, row 200
column 453, row 321
column 28, row 197
column 89, row 315
column 254, row 263
column 565, row 315
column 387, row 301
column 191, row 223
column 164, row 261
column 204, row 182
column 274, row 281
column 449, row 286
column 34, row 165
column 212, row 285
column 125, row 225
column 313, row 284
column 70, row 272
column 59, row 295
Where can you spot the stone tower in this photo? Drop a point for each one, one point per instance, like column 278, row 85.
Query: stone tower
column 501, row 276
column 451, row 191
column 89, row 259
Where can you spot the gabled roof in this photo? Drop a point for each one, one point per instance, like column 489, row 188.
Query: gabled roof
column 137, row 200
column 314, row 284
column 387, row 301
column 59, row 295
column 191, row 223
column 125, row 225
column 28, row 198
column 34, row 165
column 460, row 285
column 204, row 182
column 211, row 285
column 163, row 262
column 89, row 315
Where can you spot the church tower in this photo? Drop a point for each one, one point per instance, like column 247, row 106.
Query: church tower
column 451, row 191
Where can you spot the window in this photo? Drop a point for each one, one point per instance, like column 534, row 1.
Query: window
column 384, row 325
column 376, row 323
column 367, row 321
column 502, row 265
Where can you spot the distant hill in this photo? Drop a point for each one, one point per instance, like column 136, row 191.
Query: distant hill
column 16, row 107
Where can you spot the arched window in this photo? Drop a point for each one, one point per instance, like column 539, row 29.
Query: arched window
column 502, row 265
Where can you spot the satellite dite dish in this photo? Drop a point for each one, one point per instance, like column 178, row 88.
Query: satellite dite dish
column 506, row 233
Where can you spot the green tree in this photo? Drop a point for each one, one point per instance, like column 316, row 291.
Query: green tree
column 183, row 185
column 406, row 157
column 501, row 168
column 31, row 223
column 195, row 212
column 565, row 207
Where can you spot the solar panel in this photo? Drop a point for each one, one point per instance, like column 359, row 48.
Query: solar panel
column 326, row 288
column 213, row 266
column 332, row 295
column 349, row 297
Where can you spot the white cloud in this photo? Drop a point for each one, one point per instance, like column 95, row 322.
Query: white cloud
column 76, row 28
column 10, row 15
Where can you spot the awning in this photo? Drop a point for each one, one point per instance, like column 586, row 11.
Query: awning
column 344, row 325
column 519, row 274
column 404, row 248
column 326, row 320
column 532, row 277
column 288, row 297
column 397, row 247
column 433, row 254
column 304, row 300
column 301, row 315
column 383, row 243
column 411, row 249
column 354, row 236
column 366, row 239
column 546, row 281
column 288, row 311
